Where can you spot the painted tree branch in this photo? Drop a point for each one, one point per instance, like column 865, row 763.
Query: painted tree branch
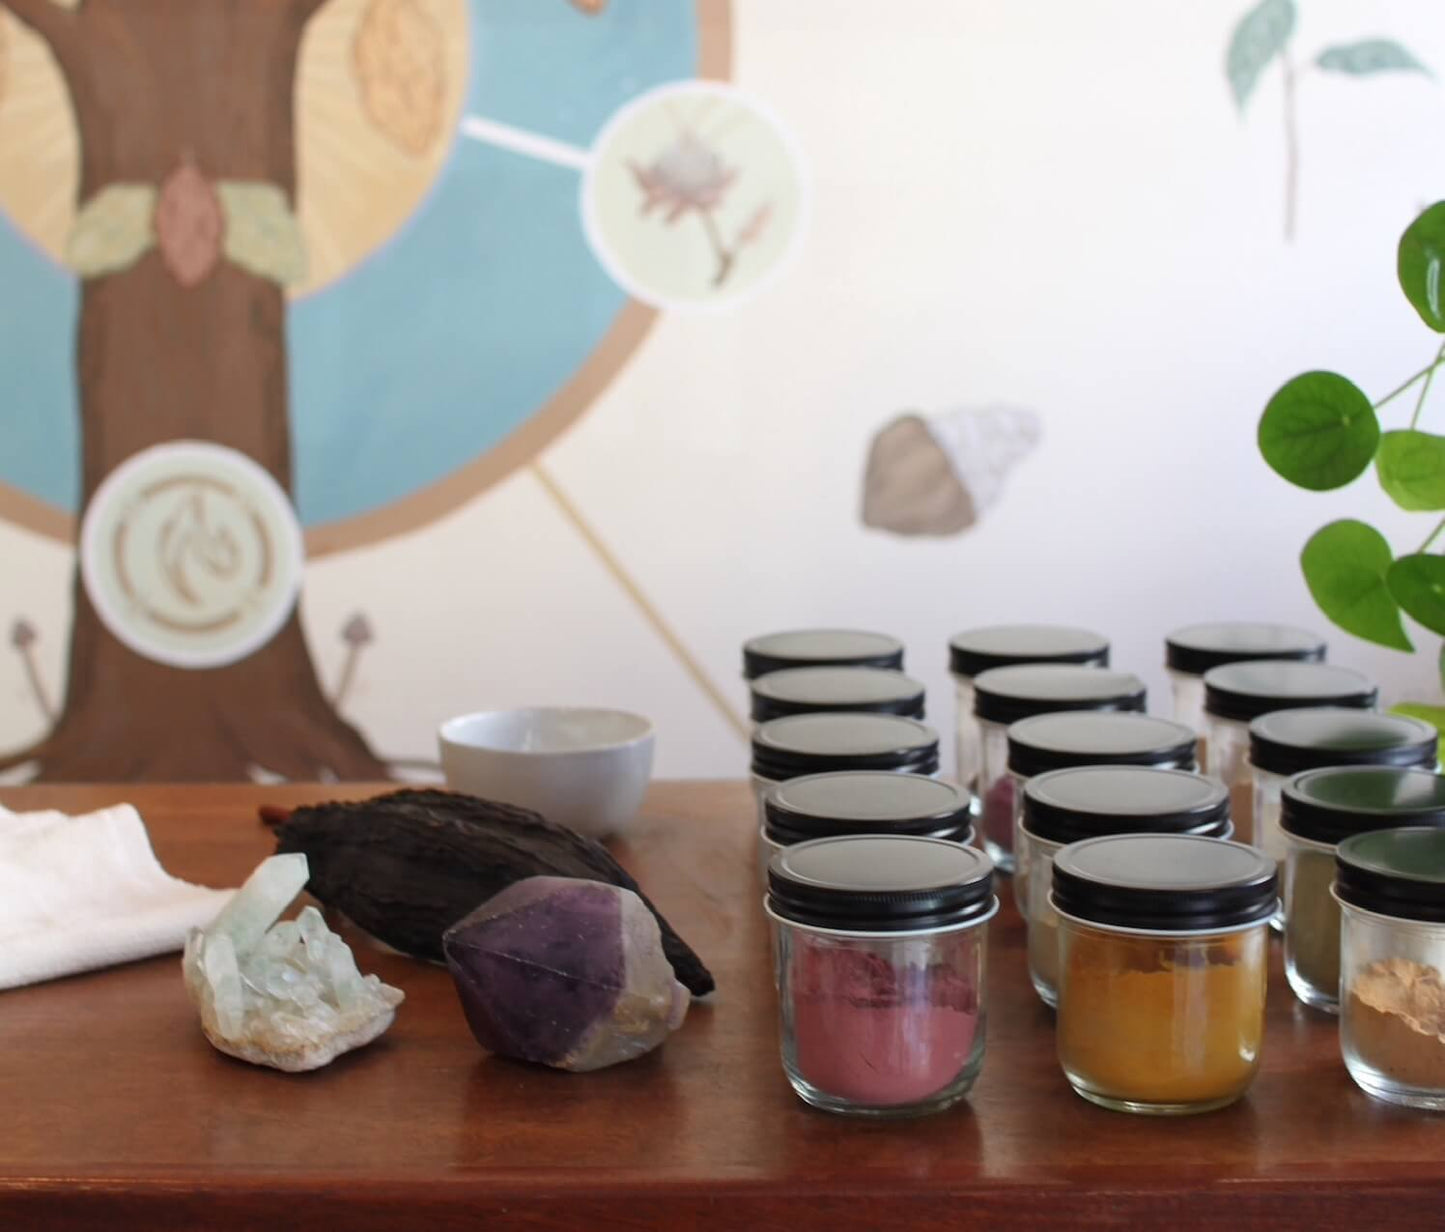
column 57, row 23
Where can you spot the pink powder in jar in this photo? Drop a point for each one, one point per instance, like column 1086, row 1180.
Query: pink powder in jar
column 998, row 812
column 872, row 1033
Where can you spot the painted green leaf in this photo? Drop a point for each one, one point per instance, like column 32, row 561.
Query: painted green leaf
column 1319, row 431
column 262, row 234
column 1417, row 584
column 1421, row 254
column 1345, row 564
column 1411, row 466
column 1434, row 715
column 112, row 230
column 1260, row 36
column 1370, row 56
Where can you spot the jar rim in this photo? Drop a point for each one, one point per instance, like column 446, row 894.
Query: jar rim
column 1006, row 694
column 1243, row 691
column 956, row 926
column 1195, row 649
column 1123, row 930
column 771, row 652
column 978, row 650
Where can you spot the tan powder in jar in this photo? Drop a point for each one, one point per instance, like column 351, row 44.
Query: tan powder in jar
column 1396, row 1021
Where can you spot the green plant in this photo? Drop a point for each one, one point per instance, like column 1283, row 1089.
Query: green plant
column 1320, row 431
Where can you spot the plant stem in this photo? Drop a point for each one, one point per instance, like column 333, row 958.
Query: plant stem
column 1434, row 534
column 1425, row 388
column 1405, row 384
column 1291, row 147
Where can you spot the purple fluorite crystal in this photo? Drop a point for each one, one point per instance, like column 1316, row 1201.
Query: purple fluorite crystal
column 566, row 973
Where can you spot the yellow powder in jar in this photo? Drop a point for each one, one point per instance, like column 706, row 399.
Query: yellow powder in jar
column 1159, row 1021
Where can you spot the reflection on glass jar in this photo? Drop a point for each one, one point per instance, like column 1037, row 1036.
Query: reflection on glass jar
column 880, row 946
column 1162, row 969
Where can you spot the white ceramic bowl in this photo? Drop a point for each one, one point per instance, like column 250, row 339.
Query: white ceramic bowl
column 587, row 769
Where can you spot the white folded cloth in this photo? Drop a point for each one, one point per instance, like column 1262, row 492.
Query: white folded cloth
column 77, row 893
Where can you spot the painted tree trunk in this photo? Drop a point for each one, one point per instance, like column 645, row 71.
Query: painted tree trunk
column 156, row 84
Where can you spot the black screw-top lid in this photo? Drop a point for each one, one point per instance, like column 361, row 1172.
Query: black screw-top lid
column 1338, row 802
column 773, row 652
column 1194, row 650
column 819, row 743
column 1007, row 694
column 1065, row 806
column 866, row 802
column 1289, row 741
column 1097, row 738
column 1244, row 691
column 876, row 883
column 978, row 650
column 813, row 690
column 1394, row 872
column 1165, row 883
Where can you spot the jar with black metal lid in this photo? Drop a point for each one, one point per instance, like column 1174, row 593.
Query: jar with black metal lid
column 1238, row 693
column 1320, row 809
column 880, row 951
column 1069, row 805
column 776, row 652
column 1004, row 695
column 1195, row 649
column 856, row 802
column 979, row 650
column 1390, row 885
column 819, row 690
column 801, row 744
column 1163, row 940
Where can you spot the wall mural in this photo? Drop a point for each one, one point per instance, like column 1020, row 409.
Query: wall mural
column 286, row 278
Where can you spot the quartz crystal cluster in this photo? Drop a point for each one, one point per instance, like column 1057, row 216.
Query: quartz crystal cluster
column 285, row 994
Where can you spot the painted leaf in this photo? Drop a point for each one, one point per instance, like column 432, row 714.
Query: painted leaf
column 1434, row 715
column 1417, row 584
column 113, row 230
column 1418, row 263
column 262, row 234
column 1370, row 56
column 1411, row 466
column 1260, row 36
column 1345, row 564
column 398, row 56
column 188, row 225
column 1319, row 431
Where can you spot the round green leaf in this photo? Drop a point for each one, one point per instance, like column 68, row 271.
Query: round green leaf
column 1345, row 564
column 1319, row 431
column 1422, row 252
column 1411, row 466
column 1417, row 584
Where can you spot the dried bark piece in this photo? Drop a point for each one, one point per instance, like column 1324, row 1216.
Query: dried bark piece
column 189, row 225
column 398, row 55
column 407, row 866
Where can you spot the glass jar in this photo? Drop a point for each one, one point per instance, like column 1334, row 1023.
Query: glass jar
column 1319, row 810
column 1192, row 651
column 776, row 652
column 1004, row 695
column 880, row 946
column 1391, row 889
column 800, row 744
column 1055, row 741
column 816, row 690
column 1288, row 742
column 1163, row 940
column 861, row 802
column 979, row 650
column 1067, row 806
column 1238, row 693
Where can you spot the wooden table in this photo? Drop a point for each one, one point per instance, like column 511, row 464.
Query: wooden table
column 115, row 1113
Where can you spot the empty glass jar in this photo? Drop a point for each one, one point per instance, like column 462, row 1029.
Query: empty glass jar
column 1192, row 651
column 1320, row 809
column 1238, row 693
column 880, row 946
column 817, row 690
column 800, row 744
column 1391, row 890
column 1067, row 806
column 776, row 652
column 1163, row 941
column 979, row 650
column 1004, row 695
column 862, row 802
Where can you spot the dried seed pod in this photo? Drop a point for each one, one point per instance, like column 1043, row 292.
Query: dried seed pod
column 408, row 865
column 400, row 66
column 189, row 224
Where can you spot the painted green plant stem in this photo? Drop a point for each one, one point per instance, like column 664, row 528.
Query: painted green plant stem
column 1431, row 537
column 1425, row 388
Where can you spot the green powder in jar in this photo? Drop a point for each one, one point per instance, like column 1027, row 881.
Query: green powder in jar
column 1312, row 929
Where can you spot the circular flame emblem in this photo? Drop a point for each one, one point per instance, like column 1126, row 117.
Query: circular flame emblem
column 191, row 554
